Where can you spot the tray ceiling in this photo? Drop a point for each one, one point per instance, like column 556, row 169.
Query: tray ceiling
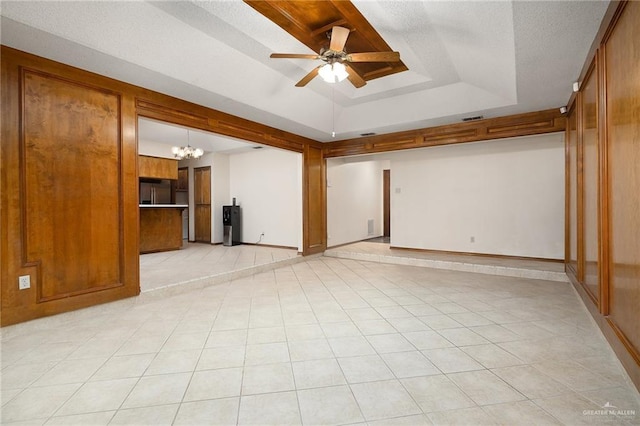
column 463, row 58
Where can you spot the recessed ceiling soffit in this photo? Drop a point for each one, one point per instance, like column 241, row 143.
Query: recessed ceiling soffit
column 310, row 21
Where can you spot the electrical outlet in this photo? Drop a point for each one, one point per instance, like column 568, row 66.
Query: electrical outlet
column 472, row 239
column 24, row 282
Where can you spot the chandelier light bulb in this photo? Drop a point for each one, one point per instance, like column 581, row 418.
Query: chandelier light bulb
column 186, row 152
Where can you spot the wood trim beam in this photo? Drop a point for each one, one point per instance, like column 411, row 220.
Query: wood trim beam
column 532, row 123
column 155, row 105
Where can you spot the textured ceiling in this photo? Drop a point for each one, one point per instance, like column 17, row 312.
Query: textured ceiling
column 464, row 58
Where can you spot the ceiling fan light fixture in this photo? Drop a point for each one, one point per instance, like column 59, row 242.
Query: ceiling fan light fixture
column 326, row 72
column 333, row 73
column 340, row 71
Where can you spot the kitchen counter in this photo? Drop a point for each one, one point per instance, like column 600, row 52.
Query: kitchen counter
column 163, row 206
column 161, row 227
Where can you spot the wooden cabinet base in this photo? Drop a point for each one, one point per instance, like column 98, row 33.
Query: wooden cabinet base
column 160, row 229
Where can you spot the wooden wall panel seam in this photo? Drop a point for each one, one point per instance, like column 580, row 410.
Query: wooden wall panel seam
column 580, row 191
column 604, row 183
column 584, row 125
column 567, row 188
column 572, row 190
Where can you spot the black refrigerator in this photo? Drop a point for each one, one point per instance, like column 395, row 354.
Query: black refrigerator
column 231, row 220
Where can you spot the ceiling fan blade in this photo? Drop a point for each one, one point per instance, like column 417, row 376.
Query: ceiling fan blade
column 338, row 38
column 374, row 57
column 293, row 56
column 354, row 77
column 307, row 78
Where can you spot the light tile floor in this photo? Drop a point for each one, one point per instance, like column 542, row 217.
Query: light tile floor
column 197, row 261
column 375, row 251
column 322, row 341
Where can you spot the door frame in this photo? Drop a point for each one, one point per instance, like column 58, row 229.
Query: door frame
column 386, row 202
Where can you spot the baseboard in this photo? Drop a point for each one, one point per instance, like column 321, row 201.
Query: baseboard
column 353, row 242
column 271, row 246
column 465, row 253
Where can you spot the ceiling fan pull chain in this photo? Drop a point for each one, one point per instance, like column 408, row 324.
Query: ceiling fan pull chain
column 333, row 112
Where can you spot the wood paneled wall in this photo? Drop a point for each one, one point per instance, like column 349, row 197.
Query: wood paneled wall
column 315, row 202
column 603, row 170
column 69, row 194
column 571, row 140
column 69, row 189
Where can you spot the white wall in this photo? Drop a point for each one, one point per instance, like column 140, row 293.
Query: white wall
column 354, row 196
column 267, row 184
column 507, row 194
column 154, row 149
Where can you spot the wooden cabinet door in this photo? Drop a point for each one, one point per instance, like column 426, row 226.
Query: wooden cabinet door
column 157, row 168
column 202, row 200
column 183, row 179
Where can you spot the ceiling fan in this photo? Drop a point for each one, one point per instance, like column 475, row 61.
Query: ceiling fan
column 336, row 60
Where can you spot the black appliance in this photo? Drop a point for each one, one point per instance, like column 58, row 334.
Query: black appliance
column 231, row 221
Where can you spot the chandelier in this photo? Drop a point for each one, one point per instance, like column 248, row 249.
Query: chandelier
column 186, row 152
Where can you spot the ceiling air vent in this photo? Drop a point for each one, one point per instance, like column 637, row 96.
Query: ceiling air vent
column 367, row 134
column 477, row 117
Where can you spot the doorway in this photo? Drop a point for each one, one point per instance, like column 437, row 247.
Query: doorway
column 202, row 203
column 386, row 202
column 182, row 197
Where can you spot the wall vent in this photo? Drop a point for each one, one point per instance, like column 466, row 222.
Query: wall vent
column 370, row 227
column 477, row 117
